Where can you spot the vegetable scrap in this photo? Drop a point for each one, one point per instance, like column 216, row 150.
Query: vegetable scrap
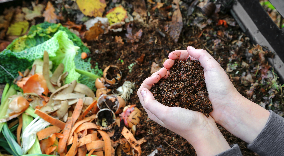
column 71, row 114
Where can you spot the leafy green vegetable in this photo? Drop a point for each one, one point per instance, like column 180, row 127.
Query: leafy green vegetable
column 4, row 106
column 31, row 111
column 60, row 50
column 5, row 145
column 87, row 73
column 35, row 149
column 40, row 38
column 10, row 65
column 66, row 55
column 7, row 86
column 37, row 35
column 9, row 136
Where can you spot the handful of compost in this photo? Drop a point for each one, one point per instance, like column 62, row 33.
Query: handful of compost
column 184, row 87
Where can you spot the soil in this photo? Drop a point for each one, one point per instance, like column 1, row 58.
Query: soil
column 135, row 59
column 245, row 64
column 185, row 87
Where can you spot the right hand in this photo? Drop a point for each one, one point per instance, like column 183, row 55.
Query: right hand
column 231, row 110
column 220, row 88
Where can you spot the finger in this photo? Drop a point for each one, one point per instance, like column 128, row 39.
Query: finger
column 169, row 63
column 154, row 78
column 148, row 82
column 155, row 107
column 179, row 55
column 167, row 75
column 150, row 114
column 205, row 59
column 154, row 118
column 162, row 72
column 174, row 55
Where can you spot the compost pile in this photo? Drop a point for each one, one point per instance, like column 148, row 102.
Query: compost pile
column 184, row 87
column 135, row 37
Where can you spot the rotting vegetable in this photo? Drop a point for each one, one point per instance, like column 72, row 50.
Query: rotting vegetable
column 48, row 36
column 53, row 129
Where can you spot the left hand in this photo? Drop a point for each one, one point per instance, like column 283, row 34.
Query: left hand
column 199, row 130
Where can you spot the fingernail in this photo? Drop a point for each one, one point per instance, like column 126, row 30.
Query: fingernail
column 143, row 93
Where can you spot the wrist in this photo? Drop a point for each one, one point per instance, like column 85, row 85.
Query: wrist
column 208, row 140
column 244, row 118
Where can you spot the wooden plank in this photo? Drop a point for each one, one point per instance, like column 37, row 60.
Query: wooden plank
column 278, row 5
column 265, row 25
column 250, row 25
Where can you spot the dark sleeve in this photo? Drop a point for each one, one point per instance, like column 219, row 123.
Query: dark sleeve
column 271, row 138
column 233, row 151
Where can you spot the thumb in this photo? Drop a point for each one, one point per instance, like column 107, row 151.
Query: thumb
column 155, row 107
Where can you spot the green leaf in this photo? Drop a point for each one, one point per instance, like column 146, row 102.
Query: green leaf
column 31, row 111
column 12, row 129
column 88, row 74
column 5, row 145
column 4, row 106
column 5, row 92
column 35, row 149
column 26, row 120
column 268, row 4
column 8, row 68
column 15, row 147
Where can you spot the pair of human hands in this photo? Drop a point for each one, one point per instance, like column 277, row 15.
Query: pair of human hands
column 226, row 101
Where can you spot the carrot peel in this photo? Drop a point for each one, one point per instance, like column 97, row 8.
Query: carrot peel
column 50, row 119
column 66, row 132
column 47, row 132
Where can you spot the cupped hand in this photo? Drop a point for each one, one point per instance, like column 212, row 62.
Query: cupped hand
column 234, row 112
column 193, row 126
column 220, row 89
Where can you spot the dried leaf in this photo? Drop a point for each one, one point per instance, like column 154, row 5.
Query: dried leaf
column 49, row 14
column 19, row 16
column 31, row 14
column 5, row 20
column 3, row 45
column 159, row 5
column 140, row 7
column 75, row 28
column 19, row 28
column 94, row 32
column 176, row 24
column 116, row 15
column 133, row 38
column 118, row 39
column 155, row 67
column 93, row 8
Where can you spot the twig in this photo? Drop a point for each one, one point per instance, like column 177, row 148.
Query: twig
column 208, row 50
column 172, row 147
column 7, row 72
